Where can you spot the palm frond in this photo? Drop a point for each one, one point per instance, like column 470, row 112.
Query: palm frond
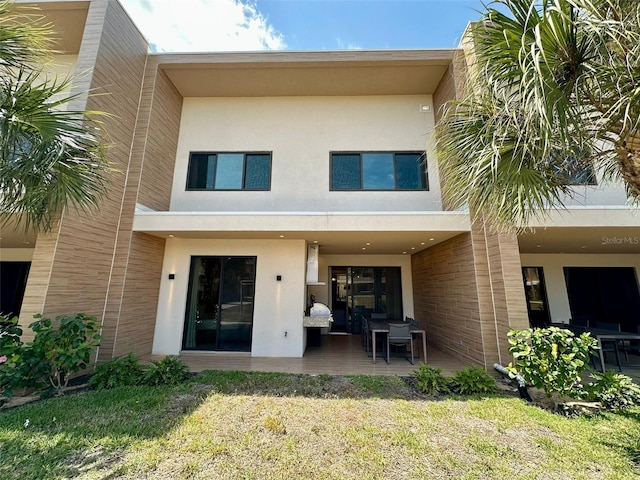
column 24, row 35
column 554, row 87
column 51, row 158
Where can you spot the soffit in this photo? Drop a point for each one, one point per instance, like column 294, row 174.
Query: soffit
column 338, row 233
column 263, row 74
column 335, row 243
column 584, row 240
column 67, row 20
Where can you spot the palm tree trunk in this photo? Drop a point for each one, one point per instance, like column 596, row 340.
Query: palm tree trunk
column 629, row 161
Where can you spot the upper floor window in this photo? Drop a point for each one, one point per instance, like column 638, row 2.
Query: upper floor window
column 575, row 171
column 229, row 171
column 378, row 171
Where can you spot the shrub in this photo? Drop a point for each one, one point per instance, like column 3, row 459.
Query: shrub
column 472, row 380
column 614, row 391
column 119, row 372
column 168, row 371
column 11, row 373
column 430, row 380
column 59, row 349
column 64, row 347
column 21, row 366
column 552, row 359
column 10, row 333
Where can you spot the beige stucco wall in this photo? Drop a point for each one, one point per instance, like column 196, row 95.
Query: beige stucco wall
column 552, row 265
column 58, row 69
column 301, row 132
column 604, row 193
column 16, row 254
column 279, row 305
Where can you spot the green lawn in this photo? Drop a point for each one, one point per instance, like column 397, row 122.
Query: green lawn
column 238, row 425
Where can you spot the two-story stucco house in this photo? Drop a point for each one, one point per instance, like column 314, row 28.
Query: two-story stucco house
column 249, row 181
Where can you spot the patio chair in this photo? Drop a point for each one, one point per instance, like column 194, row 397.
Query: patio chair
column 366, row 335
column 413, row 324
column 619, row 343
column 399, row 336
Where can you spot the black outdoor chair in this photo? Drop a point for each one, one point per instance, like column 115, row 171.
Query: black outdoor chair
column 400, row 336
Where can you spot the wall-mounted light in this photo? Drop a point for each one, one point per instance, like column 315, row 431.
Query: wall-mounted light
column 278, row 278
column 425, row 107
column 172, row 276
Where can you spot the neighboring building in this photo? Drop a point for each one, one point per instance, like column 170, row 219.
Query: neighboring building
column 232, row 165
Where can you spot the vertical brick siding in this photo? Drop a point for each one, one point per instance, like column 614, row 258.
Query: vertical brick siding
column 446, row 299
column 468, row 292
column 74, row 272
column 153, row 159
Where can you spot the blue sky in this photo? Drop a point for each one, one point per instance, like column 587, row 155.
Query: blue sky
column 244, row 25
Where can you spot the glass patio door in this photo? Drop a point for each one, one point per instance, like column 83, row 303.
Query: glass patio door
column 358, row 292
column 219, row 310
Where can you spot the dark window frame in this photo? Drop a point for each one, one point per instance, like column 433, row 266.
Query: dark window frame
column 423, row 163
column 576, row 173
column 244, row 171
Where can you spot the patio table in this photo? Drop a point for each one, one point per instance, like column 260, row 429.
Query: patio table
column 382, row 326
column 602, row 334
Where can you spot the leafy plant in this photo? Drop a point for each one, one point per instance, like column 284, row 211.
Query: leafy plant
column 64, row 347
column 119, row 372
column 21, row 366
column 430, row 380
column 472, row 380
column 614, row 391
column 10, row 345
column 168, row 371
column 552, row 359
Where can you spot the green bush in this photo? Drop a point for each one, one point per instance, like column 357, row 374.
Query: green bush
column 552, row 359
column 168, row 371
column 430, row 380
column 64, row 346
column 22, row 365
column 614, row 391
column 12, row 372
column 471, row 381
column 59, row 349
column 119, row 372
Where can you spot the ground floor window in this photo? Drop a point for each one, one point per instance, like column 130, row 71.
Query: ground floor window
column 536, row 294
column 358, row 292
column 13, row 281
column 600, row 297
column 219, row 310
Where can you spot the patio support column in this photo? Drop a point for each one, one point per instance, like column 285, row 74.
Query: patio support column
column 500, row 290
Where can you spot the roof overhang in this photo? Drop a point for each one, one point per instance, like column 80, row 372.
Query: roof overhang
column 335, row 73
column 373, row 233
column 589, row 230
column 67, row 21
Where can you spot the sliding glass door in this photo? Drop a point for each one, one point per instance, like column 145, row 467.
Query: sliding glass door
column 219, row 310
column 361, row 291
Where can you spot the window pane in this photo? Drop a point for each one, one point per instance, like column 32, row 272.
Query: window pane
column 229, row 171
column 409, row 172
column 377, row 171
column 345, row 172
column 200, row 175
column 258, row 172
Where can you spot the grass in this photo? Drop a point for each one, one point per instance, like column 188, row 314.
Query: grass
column 245, row 425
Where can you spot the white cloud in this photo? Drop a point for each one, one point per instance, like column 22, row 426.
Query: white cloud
column 349, row 46
column 203, row 25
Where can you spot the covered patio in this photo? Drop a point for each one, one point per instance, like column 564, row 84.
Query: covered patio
column 338, row 355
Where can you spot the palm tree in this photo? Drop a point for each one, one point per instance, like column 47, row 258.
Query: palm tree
column 50, row 157
column 553, row 90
